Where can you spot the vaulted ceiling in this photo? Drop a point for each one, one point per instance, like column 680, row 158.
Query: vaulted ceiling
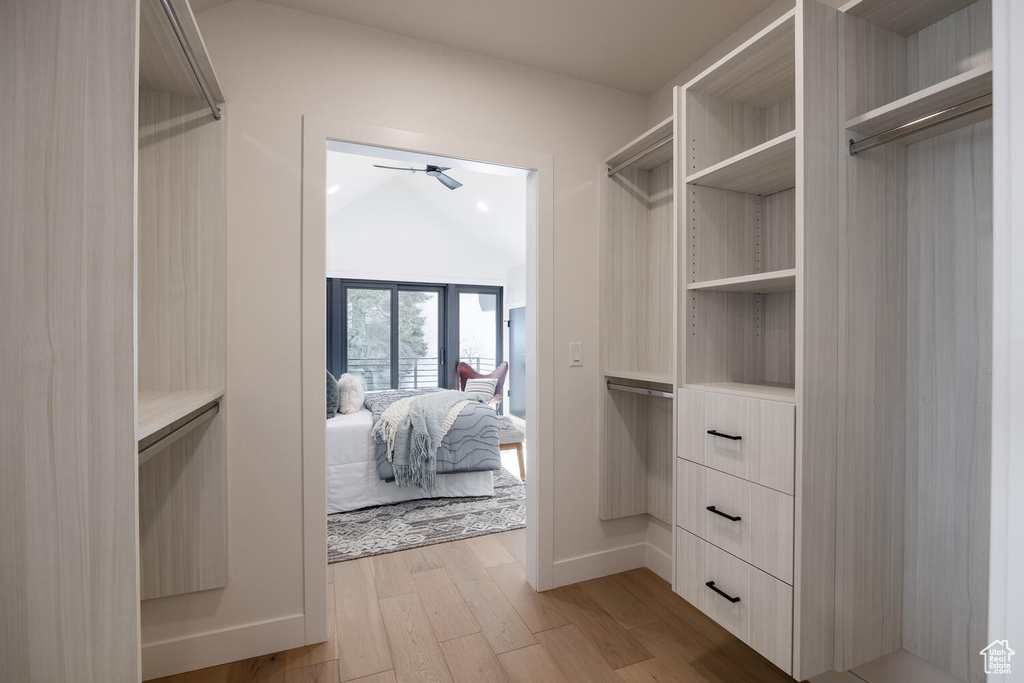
column 632, row 45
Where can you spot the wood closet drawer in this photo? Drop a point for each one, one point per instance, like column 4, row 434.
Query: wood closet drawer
column 745, row 437
column 753, row 522
column 756, row 608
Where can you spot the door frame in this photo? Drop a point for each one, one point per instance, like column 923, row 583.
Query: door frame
column 316, row 132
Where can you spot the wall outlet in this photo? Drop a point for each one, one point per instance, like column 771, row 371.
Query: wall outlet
column 575, row 354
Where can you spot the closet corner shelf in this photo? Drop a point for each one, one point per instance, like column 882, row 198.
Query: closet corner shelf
column 942, row 95
column 637, row 147
column 160, row 409
column 758, row 283
column 768, row 168
column 641, row 376
column 768, row 391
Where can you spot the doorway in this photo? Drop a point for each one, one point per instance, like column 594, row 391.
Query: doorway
column 537, row 171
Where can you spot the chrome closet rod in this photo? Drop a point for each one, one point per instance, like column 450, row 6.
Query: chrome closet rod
column 930, row 121
column 190, row 55
column 638, row 390
column 640, row 155
column 168, row 439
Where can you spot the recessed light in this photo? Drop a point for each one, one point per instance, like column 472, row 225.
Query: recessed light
column 333, row 188
column 482, row 205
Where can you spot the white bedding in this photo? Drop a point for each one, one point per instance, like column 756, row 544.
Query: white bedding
column 352, row 480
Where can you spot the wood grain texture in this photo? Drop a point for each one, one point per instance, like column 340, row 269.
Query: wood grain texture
column 324, row 672
column 905, row 16
column 632, row 148
column 362, row 639
column 614, row 642
column 764, row 169
column 614, row 599
column 447, row 611
column 537, row 610
column 489, row 550
column 949, row 375
column 763, row 536
column 470, row 660
column 68, row 535
column 392, row 574
column 414, row 649
column 160, row 409
column 162, row 63
column 816, row 329
column 718, row 129
column 531, row 664
column 576, row 656
column 762, row 617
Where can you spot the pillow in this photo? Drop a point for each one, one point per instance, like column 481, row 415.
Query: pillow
column 350, row 394
column 482, row 388
column 332, row 395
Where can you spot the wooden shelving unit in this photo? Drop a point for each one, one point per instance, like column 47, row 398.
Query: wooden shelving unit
column 905, row 17
column 764, row 391
column 161, row 409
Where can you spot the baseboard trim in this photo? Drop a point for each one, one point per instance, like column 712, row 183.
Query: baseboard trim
column 595, row 565
column 659, row 562
column 170, row 657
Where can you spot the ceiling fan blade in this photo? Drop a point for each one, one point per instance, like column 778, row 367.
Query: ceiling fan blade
column 400, row 168
column 431, row 168
column 447, row 181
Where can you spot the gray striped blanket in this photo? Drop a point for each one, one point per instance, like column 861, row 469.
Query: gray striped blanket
column 471, row 445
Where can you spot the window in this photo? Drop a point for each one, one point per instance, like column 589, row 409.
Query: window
column 395, row 334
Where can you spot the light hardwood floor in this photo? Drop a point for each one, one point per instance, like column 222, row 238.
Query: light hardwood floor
column 463, row 612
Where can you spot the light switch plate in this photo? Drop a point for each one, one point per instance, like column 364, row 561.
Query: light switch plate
column 576, row 354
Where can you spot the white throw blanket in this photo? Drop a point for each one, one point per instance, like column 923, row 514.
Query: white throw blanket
column 412, row 441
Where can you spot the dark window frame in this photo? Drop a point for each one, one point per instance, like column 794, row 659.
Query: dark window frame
column 448, row 323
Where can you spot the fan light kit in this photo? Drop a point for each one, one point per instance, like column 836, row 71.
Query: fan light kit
column 433, row 171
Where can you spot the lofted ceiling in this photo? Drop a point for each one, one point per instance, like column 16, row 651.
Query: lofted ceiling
column 632, row 45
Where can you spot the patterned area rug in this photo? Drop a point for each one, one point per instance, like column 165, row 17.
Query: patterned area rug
column 415, row 523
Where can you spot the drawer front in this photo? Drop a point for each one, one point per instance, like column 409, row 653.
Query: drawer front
column 763, row 533
column 745, row 437
column 762, row 617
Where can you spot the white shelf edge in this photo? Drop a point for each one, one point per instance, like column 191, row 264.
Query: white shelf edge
column 785, row 277
column 957, row 84
column 763, row 392
column 741, row 158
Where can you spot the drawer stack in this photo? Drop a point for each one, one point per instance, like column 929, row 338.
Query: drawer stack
column 734, row 511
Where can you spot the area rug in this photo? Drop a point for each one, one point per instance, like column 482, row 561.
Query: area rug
column 416, row 523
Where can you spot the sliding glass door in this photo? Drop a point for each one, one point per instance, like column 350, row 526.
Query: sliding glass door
column 395, row 335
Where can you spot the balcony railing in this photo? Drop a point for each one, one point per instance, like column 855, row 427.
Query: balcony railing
column 413, row 373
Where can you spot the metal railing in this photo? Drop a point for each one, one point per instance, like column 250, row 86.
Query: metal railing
column 413, row 373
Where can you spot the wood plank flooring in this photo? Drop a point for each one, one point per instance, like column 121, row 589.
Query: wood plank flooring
column 463, row 612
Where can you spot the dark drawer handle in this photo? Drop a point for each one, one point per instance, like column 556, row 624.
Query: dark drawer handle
column 711, row 508
column 713, row 432
column 711, row 585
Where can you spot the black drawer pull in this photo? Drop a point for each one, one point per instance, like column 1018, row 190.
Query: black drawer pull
column 713, row 432
column 711, row 585
column 711, row 508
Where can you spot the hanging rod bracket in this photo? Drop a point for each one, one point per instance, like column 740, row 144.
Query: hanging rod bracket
column 932, row 120
column 613, row 386
column 190, row 55
column 612, row 170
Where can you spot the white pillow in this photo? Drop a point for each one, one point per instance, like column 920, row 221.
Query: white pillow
column 481, row 388
column 350, row 394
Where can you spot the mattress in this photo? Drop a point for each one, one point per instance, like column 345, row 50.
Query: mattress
column 352, row 479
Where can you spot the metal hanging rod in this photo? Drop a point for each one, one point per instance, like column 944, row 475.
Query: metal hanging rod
column 190, row 55
column 638, row 390
column 168, row 439
column 640, row 155
column 930, row 121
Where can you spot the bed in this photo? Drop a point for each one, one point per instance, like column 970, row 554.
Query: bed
column 358, row 470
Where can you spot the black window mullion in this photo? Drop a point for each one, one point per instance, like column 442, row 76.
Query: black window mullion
column 394, row 336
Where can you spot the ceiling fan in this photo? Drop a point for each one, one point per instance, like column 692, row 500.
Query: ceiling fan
column 435, row 171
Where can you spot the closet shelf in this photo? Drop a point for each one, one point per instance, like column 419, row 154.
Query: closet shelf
column 950, row 92
column 758, row 283
column 768, row 168
column 766, row 391
column 904, row 16
column 641, row 376
column 160, row 409
column 630, row 154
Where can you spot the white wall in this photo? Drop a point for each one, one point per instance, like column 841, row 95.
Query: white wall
column 276, row 65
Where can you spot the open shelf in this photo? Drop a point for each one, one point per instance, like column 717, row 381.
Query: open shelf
column 160, row 409
column 768, row 391
column 950, row 92
column 758, row 283
column 768, row 168
column 641, row 376
column 661, row 133
column 904, row 16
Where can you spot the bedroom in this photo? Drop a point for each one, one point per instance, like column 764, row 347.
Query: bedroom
column 772, row 337
column 425, row 284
